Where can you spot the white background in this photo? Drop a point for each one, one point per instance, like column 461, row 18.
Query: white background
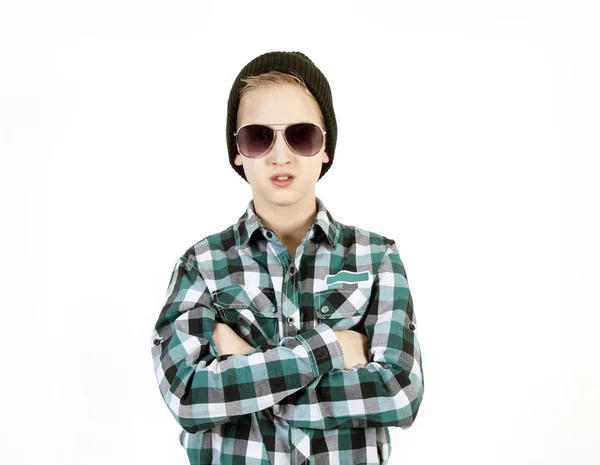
column 467, row 131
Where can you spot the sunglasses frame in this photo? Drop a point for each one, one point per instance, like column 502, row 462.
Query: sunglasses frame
column 285, row 126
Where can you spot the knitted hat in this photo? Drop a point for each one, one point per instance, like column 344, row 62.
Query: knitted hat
column 285, row 62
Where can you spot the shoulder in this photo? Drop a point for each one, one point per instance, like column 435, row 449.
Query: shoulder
column 204, row 252
column 350, row 235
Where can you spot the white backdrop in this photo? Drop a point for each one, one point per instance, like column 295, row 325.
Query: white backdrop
column 472, row 126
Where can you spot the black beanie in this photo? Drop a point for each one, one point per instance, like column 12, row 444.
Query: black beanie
column 285, row 62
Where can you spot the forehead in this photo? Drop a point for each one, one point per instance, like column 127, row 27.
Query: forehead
column 278, row 104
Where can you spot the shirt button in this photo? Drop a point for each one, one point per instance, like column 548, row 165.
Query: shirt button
column 269, row 235
column 292, row 269
column 325, row 309
column 274, row 309
column 157, row 341
column 412, row 327
column 290, row 320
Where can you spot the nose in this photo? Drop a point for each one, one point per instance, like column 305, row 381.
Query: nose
column 280, row 149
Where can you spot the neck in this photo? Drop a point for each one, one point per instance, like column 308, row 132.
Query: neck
column 289, row 221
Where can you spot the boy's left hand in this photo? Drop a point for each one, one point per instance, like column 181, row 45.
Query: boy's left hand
column 228, row 342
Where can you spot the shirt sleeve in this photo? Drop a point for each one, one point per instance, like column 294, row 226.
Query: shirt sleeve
column 389, row 389
column 203, row 389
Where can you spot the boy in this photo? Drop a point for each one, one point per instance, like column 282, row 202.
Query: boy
column 288, row 337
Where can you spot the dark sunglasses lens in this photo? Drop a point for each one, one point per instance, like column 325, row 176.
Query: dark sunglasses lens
column 305, row 138
column 254, row 140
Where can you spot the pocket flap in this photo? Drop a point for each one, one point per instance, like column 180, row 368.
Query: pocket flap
column 259, row 300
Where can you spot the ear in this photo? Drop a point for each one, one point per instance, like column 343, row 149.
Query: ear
column 238, row 160
column 325, row 157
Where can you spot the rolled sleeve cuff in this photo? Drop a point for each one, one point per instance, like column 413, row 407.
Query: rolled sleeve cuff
column 324, row 349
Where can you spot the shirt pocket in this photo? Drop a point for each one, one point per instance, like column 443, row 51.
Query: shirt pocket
column 251, row 311
column 342, row 307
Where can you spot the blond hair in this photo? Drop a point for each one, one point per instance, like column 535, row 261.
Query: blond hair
column 277, row 77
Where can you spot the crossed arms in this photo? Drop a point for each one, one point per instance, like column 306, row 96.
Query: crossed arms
column 354, row 345
column 311, row 379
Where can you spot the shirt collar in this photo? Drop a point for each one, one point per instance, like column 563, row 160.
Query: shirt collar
column 248, row 225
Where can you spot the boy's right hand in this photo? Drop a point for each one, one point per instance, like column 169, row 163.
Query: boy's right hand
column 354, row 347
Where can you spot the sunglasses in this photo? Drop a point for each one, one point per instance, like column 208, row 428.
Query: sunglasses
column 304, row 139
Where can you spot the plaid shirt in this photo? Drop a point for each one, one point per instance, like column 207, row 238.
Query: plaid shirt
column 289, row 400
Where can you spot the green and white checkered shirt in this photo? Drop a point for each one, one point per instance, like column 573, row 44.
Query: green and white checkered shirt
column 289, row 400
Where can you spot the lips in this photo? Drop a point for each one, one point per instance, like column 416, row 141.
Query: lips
column 283, row 182
column 278, row 175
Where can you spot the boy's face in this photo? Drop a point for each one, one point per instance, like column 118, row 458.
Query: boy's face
column 280, row 104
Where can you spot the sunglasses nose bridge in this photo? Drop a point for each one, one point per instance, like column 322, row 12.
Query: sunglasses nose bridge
column 281, row 137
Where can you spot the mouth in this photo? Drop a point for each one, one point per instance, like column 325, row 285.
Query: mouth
column 282, row 181
column 282, row 175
